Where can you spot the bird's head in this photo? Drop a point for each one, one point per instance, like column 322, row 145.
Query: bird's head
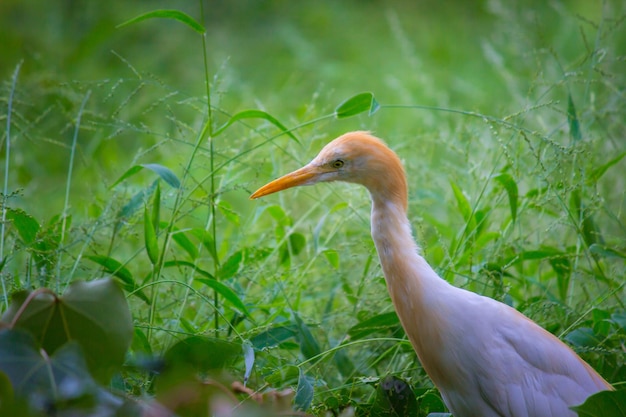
column 356, row 157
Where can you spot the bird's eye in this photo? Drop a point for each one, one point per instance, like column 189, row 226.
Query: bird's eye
column 338, row 163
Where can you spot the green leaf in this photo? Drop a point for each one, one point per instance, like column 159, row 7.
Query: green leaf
column 201, row 354
column 152, row 246
column 115, row 268
column 464, row 207
column 177, row 262
column 308, row 344
column 332, row 256
column 597, row 173
column 297, row 242
column 507, row 181
column 206, row 239
column 274, row 336
column 156, row 209
column 95, row 314
column 583, row 337
column 357, row 104
column 380, row 323
column 606, row 251
column 35, row 374
column 129, row 173
column 165, row 173
column 590, row 231
column 572, row 119
column 256, row 114
column 166, row 14
column 232, row 265
column 304, row 392
column 603, row 404
column 136, row 201
column 183, row 241
column 25, row 224
column 226, row 292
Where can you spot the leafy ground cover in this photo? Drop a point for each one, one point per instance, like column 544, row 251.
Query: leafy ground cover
column 137, row 275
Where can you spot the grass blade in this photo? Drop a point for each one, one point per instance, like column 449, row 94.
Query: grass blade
column 507, row 181
column 152, row 246
column 256, row 114
column 166, row 14
column 572, row 119
column 115, row 268
column 226, row 292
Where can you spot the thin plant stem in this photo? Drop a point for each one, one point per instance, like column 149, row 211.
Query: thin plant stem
column 5, row 189
column 68, row 184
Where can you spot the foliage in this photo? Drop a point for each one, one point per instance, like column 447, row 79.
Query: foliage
column 138, row 277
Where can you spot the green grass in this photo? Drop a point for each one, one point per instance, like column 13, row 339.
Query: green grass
column 509, row 120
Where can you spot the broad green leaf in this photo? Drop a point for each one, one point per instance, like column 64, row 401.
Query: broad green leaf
column 308, row 344
column 619, row 319
column 256, row 114
column 507, row 181
column 115, row 268
column 297, row 242
column 304, row 392
column 167, row 14
column 583, row 337
column 52, row 378
column 201, row 354
column 176, row 262
column 603, row 404
column 279, row 215
column 363, row 102
column 380, row 323
column 150, row 239
column 25, row 224
column 572, row 119
column 274, row 336
column 332, row 256
column 95, row 314
column 226, row 292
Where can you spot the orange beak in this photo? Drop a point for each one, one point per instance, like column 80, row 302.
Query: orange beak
column 303, row 176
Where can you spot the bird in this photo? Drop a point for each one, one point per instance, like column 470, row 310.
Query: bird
column 486, row 358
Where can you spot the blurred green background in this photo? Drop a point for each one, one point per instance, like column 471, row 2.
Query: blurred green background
column 295, row 59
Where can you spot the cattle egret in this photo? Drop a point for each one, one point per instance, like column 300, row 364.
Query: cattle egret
column 486, row 358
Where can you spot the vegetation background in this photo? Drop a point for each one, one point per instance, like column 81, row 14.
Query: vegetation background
column 509, row 117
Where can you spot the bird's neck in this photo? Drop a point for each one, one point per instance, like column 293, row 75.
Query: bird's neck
column 416, row 290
